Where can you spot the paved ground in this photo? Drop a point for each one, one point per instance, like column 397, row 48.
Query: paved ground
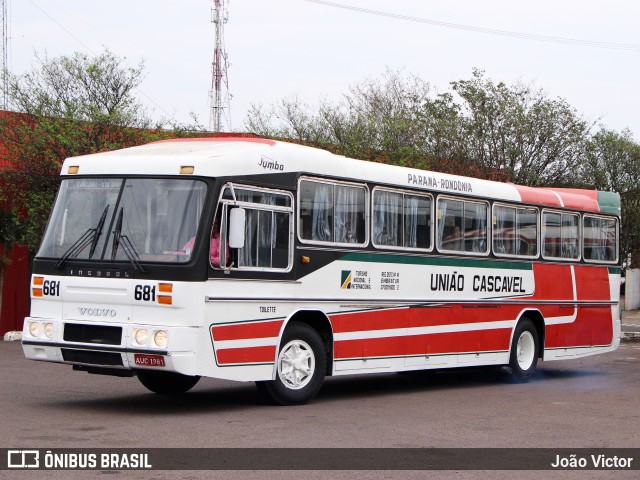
column 590, row 402
column 631, row 322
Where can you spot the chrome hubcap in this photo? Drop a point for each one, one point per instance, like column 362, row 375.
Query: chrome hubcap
column 525, row 350
column 296, row 364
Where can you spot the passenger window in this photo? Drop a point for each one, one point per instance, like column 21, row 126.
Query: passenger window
column 267, row 229
column 462, row 226
column 600, row 239
column 401, row 220
column 332, row 213
column 560, row 235
column 515, row 231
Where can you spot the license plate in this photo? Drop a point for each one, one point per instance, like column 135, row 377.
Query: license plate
column 149, row 360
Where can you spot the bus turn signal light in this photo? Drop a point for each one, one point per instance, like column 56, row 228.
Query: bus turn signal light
column 38, row 282
column 165, row 300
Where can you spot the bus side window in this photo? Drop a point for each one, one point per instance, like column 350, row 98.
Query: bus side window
column 401, row 220
column 600, row 239
column 560, row 235
column 267, row 229
column 332, row 213
column 462, row 226
column 504, row 230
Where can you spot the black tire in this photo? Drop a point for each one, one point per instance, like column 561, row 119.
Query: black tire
column 167, row 383
column 524, row 351
column 302, row 345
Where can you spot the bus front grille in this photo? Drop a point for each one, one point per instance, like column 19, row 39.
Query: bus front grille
column 100, row 334
column 91, row 357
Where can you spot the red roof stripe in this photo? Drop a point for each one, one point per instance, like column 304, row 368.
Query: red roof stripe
column 538, row 196
column 560, row 197
column 263, row 141
column 579, row 199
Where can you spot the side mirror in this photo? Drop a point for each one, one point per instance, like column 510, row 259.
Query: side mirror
column 237, row 220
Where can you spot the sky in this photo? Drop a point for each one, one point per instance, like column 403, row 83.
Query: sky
column 313, row 50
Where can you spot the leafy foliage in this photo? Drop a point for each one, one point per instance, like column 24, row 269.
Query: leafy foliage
column 518, row 130
column 613, row 164
column 480, row 128
column 65, row 106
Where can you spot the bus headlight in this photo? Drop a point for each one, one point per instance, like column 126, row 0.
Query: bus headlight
column 48, row 330
column 141, row 335
column 160, row 339
column 34, row 328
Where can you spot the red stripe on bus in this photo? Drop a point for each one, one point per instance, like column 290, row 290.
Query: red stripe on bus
column 579, row 199
column 593, row 326
column 498, row 339
column 539, row 196
column 553, row 282
column 226, row 138
column 429, row 344
column 560, row 197
column 243, row 331
column 246, row 355
column 369, row 320
column 422, row 317
column 371, row 347
column 592, row 283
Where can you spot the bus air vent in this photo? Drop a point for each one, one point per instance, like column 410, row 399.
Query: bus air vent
column 103, row 335
column 90, row 357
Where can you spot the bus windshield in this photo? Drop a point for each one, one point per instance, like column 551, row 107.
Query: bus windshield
column 111, row 219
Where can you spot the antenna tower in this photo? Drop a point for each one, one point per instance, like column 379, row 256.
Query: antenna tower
column 5, row 54
column 219, row 97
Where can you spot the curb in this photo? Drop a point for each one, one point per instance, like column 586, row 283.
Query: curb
column 630, row 337
column 13, row 336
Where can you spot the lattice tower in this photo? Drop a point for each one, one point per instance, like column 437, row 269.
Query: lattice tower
column 219, row 96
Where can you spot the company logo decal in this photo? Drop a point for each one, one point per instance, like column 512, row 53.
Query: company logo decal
column 97, row 312
column 347, row 277
column 269, row 164
column 355, row 280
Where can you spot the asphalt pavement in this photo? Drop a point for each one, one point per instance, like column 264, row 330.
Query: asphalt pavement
column 631, row 325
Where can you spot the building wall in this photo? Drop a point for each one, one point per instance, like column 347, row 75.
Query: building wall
column 632, row 289
column 15, row 290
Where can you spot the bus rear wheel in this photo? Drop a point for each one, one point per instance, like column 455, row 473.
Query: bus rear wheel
column 300, row 367
column 524, row 351
column 167, row 383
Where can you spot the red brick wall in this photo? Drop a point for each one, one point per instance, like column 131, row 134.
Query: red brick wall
column 15, row 290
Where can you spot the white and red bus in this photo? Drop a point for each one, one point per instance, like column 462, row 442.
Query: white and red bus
column 255, row 260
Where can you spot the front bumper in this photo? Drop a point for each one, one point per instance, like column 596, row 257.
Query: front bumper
column 109, row 345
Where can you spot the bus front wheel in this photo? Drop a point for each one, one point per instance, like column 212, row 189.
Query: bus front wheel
column 300, row 367
column 524, row 351
column 167, row 383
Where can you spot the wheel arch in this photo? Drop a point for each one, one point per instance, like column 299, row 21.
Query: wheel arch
column 319, row 321
column 538, row 322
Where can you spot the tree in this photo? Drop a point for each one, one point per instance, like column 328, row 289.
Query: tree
column 481, row 128
column 65, row 106
column 613, row 164
column 375, row 120
column 518, row 130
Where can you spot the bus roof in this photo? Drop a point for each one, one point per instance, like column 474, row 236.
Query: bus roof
column 239, row 156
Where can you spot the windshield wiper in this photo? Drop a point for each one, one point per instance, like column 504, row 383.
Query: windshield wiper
column 91, row 236
column 98, row 231
column 127, row 246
